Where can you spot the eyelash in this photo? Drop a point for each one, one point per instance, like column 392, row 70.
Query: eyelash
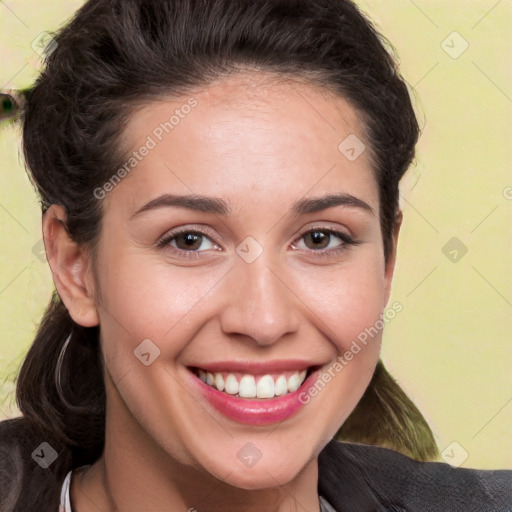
column 164, row 242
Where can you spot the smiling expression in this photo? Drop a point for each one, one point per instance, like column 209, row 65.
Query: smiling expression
column 270, row 268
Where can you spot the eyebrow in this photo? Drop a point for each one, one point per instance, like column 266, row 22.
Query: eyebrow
column 218, row 206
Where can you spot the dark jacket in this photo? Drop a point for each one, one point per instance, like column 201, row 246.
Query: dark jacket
column 363, row 478
column 352, row 477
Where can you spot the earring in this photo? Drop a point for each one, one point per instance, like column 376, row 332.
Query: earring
column 58, row 372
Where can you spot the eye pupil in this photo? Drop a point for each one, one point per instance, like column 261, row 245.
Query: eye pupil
column 190, row 239
column 318, row 237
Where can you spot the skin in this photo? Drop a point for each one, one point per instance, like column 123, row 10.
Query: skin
column 260, row 143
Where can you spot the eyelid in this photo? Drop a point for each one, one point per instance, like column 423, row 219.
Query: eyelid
column 324, row 227
column 164, row 240
column 346, row 238
column 190, row 228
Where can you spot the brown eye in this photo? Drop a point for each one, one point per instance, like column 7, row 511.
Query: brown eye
column 323, row 239
column 318, row 239
column 188, row 240
column 187, row 243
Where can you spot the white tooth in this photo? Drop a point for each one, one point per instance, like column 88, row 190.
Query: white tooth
column 219, row 381
column 231, row 384
column 294, row 382
column 265, row 387
column 281, row 386
column 247, row 388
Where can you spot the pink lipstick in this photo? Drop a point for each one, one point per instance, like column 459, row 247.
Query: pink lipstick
column 254, row 411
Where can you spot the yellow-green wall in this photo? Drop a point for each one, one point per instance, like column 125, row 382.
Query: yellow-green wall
column 451, row 346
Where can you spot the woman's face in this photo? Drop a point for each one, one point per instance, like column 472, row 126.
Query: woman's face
column 215, row 254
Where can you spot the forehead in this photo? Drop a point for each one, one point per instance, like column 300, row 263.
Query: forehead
column 250, row 94
column 264, row 92
column 248, row 132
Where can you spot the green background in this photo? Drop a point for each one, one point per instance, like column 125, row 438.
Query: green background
column 450, row 348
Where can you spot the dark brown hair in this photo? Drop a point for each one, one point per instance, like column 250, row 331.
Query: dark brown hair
column 117, row 55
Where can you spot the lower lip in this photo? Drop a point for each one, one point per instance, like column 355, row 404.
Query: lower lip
column 256, row 411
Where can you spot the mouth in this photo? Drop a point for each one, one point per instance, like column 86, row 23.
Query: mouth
column 247, row 385
column 254, row 393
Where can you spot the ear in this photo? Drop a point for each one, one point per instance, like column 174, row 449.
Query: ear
column 390, row 264
column 71, row 269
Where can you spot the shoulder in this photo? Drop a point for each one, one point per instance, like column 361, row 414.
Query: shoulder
column 11, row 466
column 360, row 477
column 25, row 479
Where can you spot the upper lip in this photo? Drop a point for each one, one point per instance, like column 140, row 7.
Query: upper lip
column 256, row 367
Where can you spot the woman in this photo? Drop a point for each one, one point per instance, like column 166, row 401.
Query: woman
column 219, row 186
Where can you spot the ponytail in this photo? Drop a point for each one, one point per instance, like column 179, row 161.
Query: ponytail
column 386, row 416
column 60, row 389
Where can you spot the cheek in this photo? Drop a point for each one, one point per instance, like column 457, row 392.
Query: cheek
column 347, row 299
column 152, row 299
column 349, row 314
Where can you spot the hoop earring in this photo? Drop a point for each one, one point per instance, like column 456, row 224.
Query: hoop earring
column 58, row 372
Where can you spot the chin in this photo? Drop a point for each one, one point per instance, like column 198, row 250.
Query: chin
column 263, row 474
column 264, row 478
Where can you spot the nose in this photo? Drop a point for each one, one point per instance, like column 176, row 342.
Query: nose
column 259, row 303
